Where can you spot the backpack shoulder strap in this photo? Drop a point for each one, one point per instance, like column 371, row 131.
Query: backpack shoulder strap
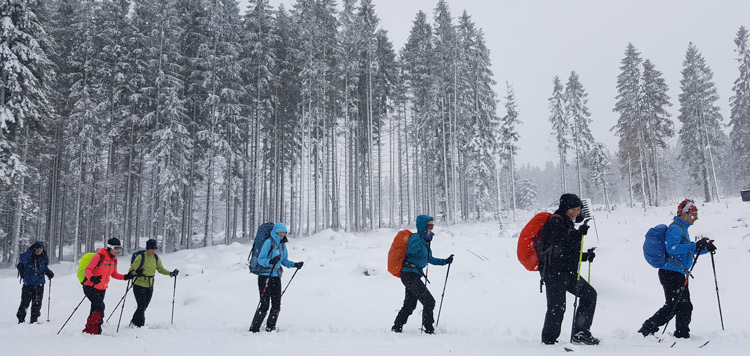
column 683, row 240
column 143, row 257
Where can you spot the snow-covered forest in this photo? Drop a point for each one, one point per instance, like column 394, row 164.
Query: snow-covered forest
column 192, row 121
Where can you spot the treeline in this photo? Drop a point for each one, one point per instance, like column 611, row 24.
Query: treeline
column 192, row 121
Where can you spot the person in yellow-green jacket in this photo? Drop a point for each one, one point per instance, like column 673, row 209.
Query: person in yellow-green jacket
column 144, row 267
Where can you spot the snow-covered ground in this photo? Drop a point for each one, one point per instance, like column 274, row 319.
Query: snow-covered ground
column 343, row 301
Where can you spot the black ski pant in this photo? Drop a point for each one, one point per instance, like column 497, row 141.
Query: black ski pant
column 33, row 295
column 558, row 283
column 142, row 298
column 415, row 290
column 96, row 314
column 269, row 289
column 676, row 302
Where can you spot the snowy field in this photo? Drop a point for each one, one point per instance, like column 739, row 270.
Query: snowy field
column 343, row 301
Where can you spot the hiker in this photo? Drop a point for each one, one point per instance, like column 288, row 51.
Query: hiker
column 558, row 264
column 272, row 256
column 673, row 276
column 418, row 254
column 32, row 267
column 145, row 265
column 100, row 268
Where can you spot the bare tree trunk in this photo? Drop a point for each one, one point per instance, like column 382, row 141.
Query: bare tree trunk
column 18, row 209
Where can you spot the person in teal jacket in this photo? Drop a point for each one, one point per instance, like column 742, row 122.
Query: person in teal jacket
column 418, row 255
column 272, row 256
column 674, row 275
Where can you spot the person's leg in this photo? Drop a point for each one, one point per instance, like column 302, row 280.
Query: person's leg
column 672, row 283
column 586, row 304
column 683, row 314
column 37, row 295
column 410, row 301
column 555, row 286
column 264, row 302
column 25, row 300
column 94, row 321
column 274, row 289
column 142, row 298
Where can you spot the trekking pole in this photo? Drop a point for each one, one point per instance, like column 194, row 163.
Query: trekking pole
column 118, row 303
column 682, row 290
column 71, row 315
column 174, row 292
column 713, row 265
column 290, row 282
column 591, row 250
column 443, row 296
column 49, row 298
column 124, row 299
column 578, row 279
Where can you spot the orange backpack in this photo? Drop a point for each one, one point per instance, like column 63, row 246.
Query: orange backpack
column 397, row 253
column 530, row 237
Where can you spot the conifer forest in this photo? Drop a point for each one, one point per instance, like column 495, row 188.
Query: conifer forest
column 193, row 121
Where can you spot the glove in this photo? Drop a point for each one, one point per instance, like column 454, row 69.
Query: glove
column 705, row 244
column 95, row 279
column 584, row 229
column 174, row 273
column 50, row 274
column 139, row 271
column 711, row 247
column 274, row 260
column 449, row 260
column 128, row 276
column 588, row 256
column 299, row 264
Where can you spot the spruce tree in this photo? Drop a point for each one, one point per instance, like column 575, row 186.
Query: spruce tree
column 578, row 116
column 740, row 107
column 560, row 128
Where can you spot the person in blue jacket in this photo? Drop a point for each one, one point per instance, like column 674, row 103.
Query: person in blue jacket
column 272, row 256
column 418, row 254
column 32, row 267
column 675, row 273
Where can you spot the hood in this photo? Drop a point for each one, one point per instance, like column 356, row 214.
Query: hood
column 422, row 221
column 36, row 245
column 277, row 227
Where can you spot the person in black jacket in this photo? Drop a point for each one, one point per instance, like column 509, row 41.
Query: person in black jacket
column 559, row 258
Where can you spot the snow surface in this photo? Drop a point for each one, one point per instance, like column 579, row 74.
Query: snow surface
column 343, row 301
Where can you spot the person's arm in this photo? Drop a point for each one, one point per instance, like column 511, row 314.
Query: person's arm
column 117, row 275
column 435, row 261
column 285, row 258
column 160, row 267
column 675, row 245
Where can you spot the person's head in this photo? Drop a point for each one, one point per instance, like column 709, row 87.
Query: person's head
column 570, row 205
column 278, row 233
column 425, row 223
column 113, row 246
column 688, row 211
column 151, row 246
column 37, row 247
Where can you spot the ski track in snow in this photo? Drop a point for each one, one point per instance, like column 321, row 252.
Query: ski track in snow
column 344, row 300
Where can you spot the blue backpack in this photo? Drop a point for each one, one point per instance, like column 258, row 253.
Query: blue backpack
column 264, row 232
column 655, row 245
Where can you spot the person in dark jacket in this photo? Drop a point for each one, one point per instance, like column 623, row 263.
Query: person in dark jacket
column 418, row 255
column 33, row 265
column 145, row 266
column 674, row 275
column 559, row 259
column 272, row 256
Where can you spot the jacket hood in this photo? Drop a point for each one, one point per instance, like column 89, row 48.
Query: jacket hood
column 277, row 227
column 36, row 245
column 422, row 221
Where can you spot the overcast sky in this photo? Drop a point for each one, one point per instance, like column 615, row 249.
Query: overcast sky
column 534, row 40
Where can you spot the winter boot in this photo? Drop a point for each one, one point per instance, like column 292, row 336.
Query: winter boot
column 271, row 322
column 397, row 328
column 648, row 329
column 682, row 334
column 428, row 329
column 93, row 323
column 257, row 321
column 585, row 337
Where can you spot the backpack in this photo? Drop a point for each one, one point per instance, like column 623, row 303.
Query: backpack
column 655, row 245
column 397, row 253
column 83, row 263
column 141, row 252
column 530, row 239
column 264, row 232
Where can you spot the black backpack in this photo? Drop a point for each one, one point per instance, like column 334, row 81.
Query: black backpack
column 143, row 256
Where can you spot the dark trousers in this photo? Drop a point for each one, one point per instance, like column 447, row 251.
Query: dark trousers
column 33, row 295
column 270, row 295
column 415, row 290
column 96, row 315
column 676, row 302
column 558, row 283
column 142, row 298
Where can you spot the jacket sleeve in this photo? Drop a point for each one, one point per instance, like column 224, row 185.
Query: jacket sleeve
column 285, row 261
column 675, row 246
column 263, row 257
column 136, row 262
column 160, row 267
column 435, row 261
column 115, row 274
column 89, row 271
